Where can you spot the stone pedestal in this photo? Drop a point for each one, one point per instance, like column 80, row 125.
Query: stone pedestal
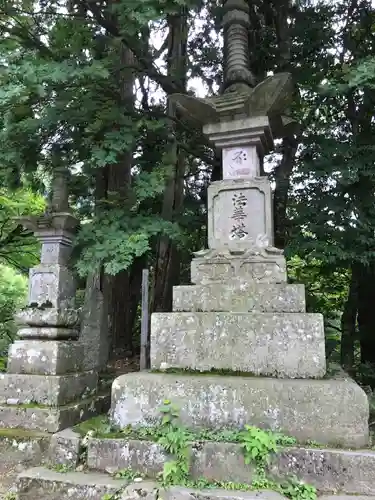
column 241, row 318
column 46, row 387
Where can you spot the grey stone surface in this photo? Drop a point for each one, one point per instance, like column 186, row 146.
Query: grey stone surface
column 241, row 296
column 19, row 451
column 52, row 283
column 49, row 419
column 145, row 490
column 45, row 484
column 65, row 448
column 213, row 461
column 240, row 213
column 115, row 454
column 45, row 358
column 180, row 493
column 327, row 411
column 50, row 316
column 48, row 333
column 214, row 266
column 241, row 162
column 284, row 344
column 94, row 335
column 329, row 470
column 51, row 390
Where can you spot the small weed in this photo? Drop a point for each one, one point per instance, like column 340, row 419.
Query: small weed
column 62, row 468
column 128, row 474
column 11, row 495
column 257, row 445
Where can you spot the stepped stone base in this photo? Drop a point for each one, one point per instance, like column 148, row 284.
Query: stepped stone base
column 52, row 390
column 283, row 345
column 333, row 412
column 329, row 470
column 52, row 419
column 240, row 297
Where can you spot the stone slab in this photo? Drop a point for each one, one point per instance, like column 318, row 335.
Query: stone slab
column 288, row 345
column 94, row 334
column 51, row 390
column 48, row 316
column 39, row 357
column 332, row 412
column 180, row 493
column 329, row 470
column 239, row 213
column 215, row 266
column 48, row 333
column 64, row 448
column 19, row 451
column 240, row 296
column 52, row 419
column 52, row 284
column 46, row 484
column 333, row 471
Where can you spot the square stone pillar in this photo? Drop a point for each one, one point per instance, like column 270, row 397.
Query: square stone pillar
column 240, row 218
column 46, row 387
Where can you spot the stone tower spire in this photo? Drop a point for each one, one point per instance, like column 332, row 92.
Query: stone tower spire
column 236, row 23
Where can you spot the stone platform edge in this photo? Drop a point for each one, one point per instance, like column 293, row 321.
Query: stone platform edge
column 329, row 470
column 46, row 484
column 333, row 412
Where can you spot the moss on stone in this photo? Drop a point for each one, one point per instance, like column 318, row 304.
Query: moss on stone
column 23, row 434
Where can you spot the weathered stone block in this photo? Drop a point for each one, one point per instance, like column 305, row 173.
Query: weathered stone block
column 240, row 213
column 45, row 484
column 48, row 333
column 52, row 419
column 180, row 493
column 45, row 358
column 327, row 411
column 213, row 461
column 94, row 334
column 213, row 266
column 53, row 284
column 65, row 448
column 49, row 316
column 241, row 296
column 53, row 390
column 284, row 344
column 329, row 470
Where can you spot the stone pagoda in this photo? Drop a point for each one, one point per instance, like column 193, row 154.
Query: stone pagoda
column 46, row 387
column 240, row 323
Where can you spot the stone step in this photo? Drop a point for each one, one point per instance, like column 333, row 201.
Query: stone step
column 46, row 484
column 329, row 470
column 241, row 296
column 52, row 419
column 332, row 411
column 288, row 345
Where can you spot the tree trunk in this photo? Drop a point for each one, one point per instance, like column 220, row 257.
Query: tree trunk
column 117, row 288
column 349, row 324
column 366, row 302
column 167, row 264
column 281, row 194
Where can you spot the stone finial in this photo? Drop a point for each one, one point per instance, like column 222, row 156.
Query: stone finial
column 236, row 23
column 59, row 193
